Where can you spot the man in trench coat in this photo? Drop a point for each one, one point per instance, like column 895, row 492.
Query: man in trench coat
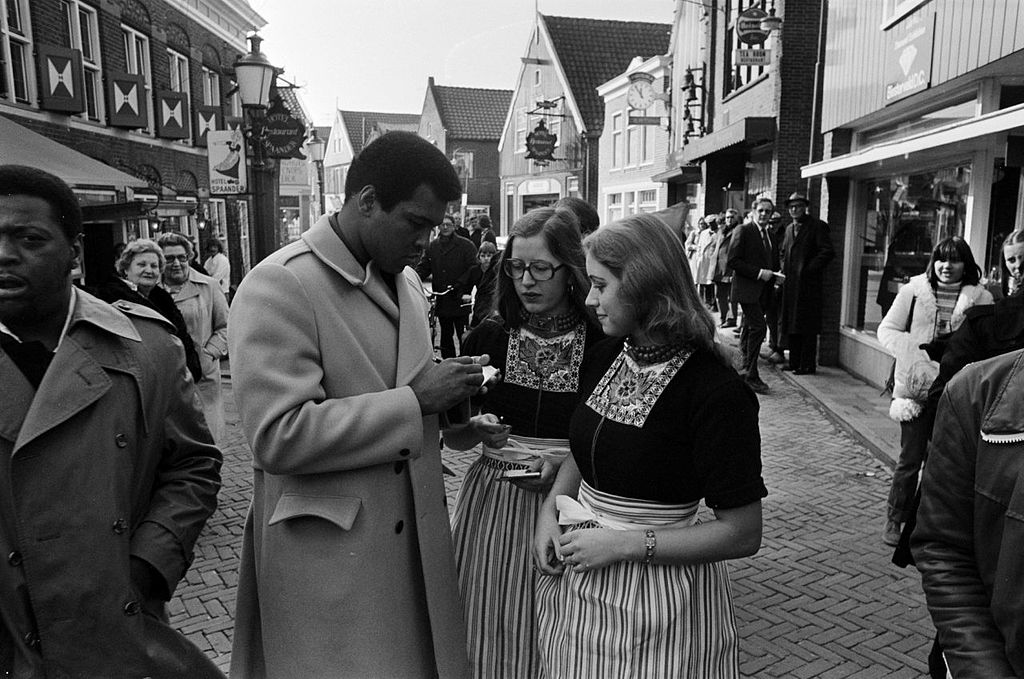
column 347, row 566
column 109, row 471
column 806, row 251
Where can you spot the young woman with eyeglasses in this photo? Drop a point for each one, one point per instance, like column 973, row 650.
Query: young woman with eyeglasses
column 538, row 339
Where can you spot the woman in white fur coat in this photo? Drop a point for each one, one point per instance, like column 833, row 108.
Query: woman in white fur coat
column 929, row 307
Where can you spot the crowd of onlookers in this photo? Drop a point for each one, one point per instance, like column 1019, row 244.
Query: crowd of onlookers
column 584, row 366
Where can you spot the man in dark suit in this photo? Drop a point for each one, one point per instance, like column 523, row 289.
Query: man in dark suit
column 756, row 272
column 806, row 250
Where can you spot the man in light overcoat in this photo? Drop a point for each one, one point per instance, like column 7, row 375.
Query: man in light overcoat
column 347, row 567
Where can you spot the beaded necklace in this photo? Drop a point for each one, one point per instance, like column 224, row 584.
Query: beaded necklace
column 557, row 324
column 649, row 354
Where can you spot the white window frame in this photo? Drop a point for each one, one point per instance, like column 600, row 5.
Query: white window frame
column 647, row 200
column 92, row 68
column 617, row 154
column 211, row 87
column 21, row 38
column 137, row 57
column 181, row 81
column 632, row 134
column 647, row 139
column 520, row 144
column 613, row 207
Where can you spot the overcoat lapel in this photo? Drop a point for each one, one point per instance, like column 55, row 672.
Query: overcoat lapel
column 73, row 381
column 16, row 396
column 414, row 350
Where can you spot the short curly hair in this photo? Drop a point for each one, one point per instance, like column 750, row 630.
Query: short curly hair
column 133, row 249
column 172, row 238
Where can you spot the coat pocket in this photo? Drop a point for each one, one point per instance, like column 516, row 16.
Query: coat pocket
column 339, row 510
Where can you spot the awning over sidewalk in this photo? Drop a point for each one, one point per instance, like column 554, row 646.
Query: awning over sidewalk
column 21, row 146
column 942, row 138
column 684, row 174
column 747, row 131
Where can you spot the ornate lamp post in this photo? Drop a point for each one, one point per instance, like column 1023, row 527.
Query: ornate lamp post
column 255, row 75
column 316, row 146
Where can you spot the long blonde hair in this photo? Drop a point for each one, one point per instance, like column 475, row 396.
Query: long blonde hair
column 655, row 280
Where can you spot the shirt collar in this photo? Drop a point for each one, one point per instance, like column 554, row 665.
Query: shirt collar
column 72, row 299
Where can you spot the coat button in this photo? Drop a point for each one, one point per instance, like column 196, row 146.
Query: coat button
column 132, row 608
column 121, row 440
column 14, row 558
column 399, row 526
column 404, row 452
column 119, row 526
column 399, row 467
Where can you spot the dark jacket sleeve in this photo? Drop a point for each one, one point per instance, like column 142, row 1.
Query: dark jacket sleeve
column 943, row 541
column 963, row 347
column 186, row 482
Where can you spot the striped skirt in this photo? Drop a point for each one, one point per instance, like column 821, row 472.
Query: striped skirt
column 492, row 529
column 635, row 620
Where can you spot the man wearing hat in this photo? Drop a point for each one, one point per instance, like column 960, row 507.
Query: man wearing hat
column 806, row 250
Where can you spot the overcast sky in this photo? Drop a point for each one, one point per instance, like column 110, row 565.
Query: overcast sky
column 376, row 55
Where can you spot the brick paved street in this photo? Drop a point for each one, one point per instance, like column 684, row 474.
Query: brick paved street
column 820, row 599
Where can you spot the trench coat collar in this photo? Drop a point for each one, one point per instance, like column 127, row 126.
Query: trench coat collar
column 414, row 349
column 192, row 286
column 77, row 376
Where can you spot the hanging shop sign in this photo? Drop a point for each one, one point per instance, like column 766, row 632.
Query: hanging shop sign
column 225, row 151
column 748, row 26
column 285, row 134
column 753, row 57
column 909, row 58
column 540, row 144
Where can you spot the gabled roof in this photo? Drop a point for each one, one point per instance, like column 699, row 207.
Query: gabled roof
column 323, row 132
column 472, row 113
column 365, row 126
column 593, row 51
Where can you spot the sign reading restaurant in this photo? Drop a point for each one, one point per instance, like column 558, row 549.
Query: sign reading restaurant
column 909, row 59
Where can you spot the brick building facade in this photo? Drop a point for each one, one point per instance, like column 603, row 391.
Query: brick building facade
column 134, row 84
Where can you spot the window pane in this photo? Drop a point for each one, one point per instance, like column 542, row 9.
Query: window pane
column 91, row 88
column 65, row 11
column 14, row 17
column 85, row 25
column 20, row 74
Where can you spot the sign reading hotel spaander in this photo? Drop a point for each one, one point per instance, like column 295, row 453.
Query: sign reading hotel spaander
column 285, row 134
column 540, row 144
column 226, row 152
column 909, row 60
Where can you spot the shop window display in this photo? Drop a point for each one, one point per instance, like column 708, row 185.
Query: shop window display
column 903, row 217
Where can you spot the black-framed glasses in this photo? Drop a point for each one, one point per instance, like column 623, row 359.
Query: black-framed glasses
column 539, row 271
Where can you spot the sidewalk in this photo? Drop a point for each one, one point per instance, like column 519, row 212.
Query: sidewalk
column 853, row 405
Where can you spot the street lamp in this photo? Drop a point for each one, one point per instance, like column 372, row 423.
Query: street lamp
column 315, row 146
column 255, row 76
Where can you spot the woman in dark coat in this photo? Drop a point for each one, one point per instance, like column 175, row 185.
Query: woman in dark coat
column 139, row 269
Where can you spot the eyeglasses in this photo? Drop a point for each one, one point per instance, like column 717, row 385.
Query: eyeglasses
column 176, row 258
column 539, row 271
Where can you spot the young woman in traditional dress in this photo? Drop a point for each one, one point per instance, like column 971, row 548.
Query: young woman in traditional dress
column 538, row 340
column 635, row 585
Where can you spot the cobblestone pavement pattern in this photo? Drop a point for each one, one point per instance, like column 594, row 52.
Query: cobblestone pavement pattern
column 820, row 599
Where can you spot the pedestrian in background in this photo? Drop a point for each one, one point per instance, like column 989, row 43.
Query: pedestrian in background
column 930, row 306
column 585, row 213
column 635, row 586
column 139, row 270
column 110, row 472
column 484, row 279
column 806, row 251
column 968, row 540
column 727, row 307
column 346, row 568
column 753, row 258
column 217, row 265
column 205, row 310
column 705, row 261
column 448, row 263
column 482, row 232
column 538, row 339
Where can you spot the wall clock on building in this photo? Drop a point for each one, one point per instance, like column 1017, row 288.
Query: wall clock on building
column 640, row 94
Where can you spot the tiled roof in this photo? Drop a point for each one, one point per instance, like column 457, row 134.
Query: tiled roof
column 365, row 126
column 472, row 113
column 593, row 51
column 290, row 99
column 324, row 132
